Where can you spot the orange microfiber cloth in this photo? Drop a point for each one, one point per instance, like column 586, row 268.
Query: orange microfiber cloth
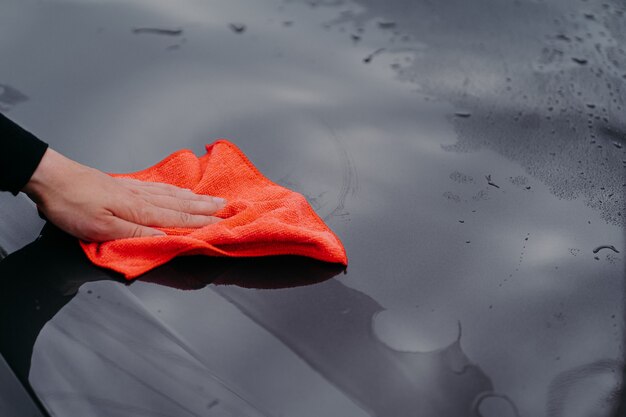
column 261, row 218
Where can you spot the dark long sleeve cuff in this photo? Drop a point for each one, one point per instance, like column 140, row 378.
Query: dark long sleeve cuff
column 20, row 154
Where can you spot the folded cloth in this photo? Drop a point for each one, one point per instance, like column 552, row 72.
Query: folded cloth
column 261, row 218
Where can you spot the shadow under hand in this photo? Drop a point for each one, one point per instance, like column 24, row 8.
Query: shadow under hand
column 39, row 279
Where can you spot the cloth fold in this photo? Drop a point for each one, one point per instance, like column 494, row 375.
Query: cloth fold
column 261, row 218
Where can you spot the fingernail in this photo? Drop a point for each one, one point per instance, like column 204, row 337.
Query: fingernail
column 219, row 201
column 159, row 233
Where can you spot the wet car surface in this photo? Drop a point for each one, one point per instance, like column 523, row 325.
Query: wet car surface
column 470, row 155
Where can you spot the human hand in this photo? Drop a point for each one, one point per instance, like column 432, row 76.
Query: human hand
column 96, row 207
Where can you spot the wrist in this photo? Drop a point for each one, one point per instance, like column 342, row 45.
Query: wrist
column 47, row 176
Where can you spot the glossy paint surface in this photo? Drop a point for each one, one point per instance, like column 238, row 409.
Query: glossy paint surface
column 470, row 155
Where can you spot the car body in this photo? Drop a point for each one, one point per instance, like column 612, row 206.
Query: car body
column 470, row 155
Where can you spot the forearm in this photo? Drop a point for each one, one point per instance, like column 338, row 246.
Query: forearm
column 20, row 154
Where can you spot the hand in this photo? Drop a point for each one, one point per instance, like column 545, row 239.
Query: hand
column 96, row 207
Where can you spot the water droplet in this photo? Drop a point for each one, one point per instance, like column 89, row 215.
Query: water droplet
column 371, row 56
column 611, row 247
column 158, row 31
column 488, row 177
column 387, row 25
column 237, row 27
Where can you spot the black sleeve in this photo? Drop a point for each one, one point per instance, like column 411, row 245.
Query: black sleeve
column 20, row 154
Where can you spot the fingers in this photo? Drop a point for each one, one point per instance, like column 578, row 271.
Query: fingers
column 153, row 204
column 184, row 205
column 157, row 188
column 140, row 212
